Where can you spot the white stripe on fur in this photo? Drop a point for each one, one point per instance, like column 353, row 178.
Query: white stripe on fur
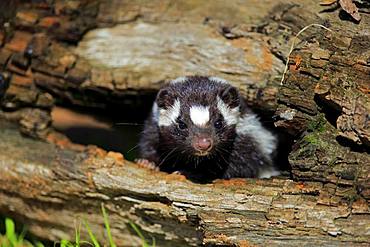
column 199, row 115
column 268, row 172
column 218, row 79
column 179, row 80
column 250, row 125
column 168, row 116
column 231, row 115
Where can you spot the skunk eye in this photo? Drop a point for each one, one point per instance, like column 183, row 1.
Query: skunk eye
column 218, row 124
column 181, row 125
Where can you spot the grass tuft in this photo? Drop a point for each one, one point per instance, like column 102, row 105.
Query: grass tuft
column 13, row 239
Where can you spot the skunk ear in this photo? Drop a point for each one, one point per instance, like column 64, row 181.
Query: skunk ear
column 165, row 98
column 230, row 96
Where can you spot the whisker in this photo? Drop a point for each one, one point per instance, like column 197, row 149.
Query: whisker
column 133, row 148
column 169, row 153
column 129, row 124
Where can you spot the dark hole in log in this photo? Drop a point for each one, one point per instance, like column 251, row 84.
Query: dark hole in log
column 352, row 145
column 112, row 126
column 344, row 16
column 285, row 143
column 331, row 110
column 116, row 125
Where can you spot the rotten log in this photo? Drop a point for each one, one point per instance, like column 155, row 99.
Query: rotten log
column 67, row 52
column 50, row 188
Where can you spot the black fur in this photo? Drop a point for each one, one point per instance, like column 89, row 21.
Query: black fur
column 171, row 149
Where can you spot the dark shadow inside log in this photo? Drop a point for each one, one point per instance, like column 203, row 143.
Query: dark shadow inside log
column 331, row 110
column 104, row 128
column 345, row 142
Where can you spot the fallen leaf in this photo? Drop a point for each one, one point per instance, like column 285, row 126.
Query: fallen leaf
column 350, row 8
column 328, row 2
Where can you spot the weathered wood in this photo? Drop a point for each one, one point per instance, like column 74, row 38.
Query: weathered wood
column 50, row 188
column 324, row 102
column 241, row 42
column 141, row 55
column 93, row 53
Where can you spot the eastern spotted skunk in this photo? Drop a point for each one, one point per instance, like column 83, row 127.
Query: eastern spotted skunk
column 202, row 128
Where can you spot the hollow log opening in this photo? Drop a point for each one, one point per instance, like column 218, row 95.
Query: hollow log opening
column 106, row 129
column 113, row 126
column 78, row 68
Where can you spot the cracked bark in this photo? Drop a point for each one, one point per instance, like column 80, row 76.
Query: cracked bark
column 323, row 104
column 50, row 190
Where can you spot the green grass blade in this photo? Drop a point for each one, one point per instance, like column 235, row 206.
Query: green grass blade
column 22, row 234
column 10, row 231
column 83, row 242
column 78, row 235
column 64, row 243
column 39, row 244
column 107, row 227
column 92, row 237
column 138, row 232
column 136, row 229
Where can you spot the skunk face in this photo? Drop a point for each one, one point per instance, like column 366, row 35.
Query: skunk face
column 198, row 116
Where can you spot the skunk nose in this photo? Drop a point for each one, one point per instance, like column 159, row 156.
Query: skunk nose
column 203, row 144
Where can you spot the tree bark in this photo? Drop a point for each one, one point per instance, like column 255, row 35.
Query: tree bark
column 103, row 53
column 324, row 103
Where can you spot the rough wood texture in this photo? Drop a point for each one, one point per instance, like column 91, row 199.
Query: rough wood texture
column 246, row 43
column 324, row 102
column 243, row 42
column 58, row 50
column 51, row 188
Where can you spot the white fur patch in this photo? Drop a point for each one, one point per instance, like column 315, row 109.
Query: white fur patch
column 218, row 79
column 179, row 80
column 231, row 115
column 168, row 116
column 250, row 125
column 199, row 115
column 155, row 113
column 268, row 172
